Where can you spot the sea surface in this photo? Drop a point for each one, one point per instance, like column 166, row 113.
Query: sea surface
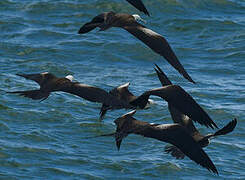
column 49, row 139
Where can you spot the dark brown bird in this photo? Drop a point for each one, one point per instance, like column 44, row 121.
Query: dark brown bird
column 186, row 122
column 129, row 22
column 170, row 133
column 120, row 92
column 178, row 98
column 138, row 4
column 50, row 83
column 123, row 94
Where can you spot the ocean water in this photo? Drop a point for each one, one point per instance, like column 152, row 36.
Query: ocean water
column 47, row 140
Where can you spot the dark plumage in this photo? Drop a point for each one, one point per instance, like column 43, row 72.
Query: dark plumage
column 118, row 98
column 170, row 133
column 50, row 83
column 128, row 22
column 138, row 4
column 180, row 100
column 186, row 122
column 120, row 92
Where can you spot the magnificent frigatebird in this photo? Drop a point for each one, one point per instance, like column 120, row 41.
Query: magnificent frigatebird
column 175, row 134
column 129, row 22
column 186, row 122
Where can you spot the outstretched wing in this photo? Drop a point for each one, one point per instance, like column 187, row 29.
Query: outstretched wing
column 96, row 21
column 159, row 45
column 179, row 99
column 33, row 94
column 38, row 78
column 138, row 4
column 94, row 94
column 179, row 137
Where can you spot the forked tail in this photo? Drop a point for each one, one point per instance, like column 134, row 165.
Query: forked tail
column 227, row 129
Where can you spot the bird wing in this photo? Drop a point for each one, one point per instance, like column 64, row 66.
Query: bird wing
column 33, row 94
column 179, row 99
column 38, row 78
column 162, row 76
column 138, row 4
column 170, row 133
column 94, row 94
column 179, row 137
column 158, row 44
column 95, row 22
column 176, row 115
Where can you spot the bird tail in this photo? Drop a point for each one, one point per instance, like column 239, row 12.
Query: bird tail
column 162, row 76
column 227, row 129
column 33, row 94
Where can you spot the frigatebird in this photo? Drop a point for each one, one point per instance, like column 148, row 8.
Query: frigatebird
column 186, row 122
column 129, row 22
column 50, row 83
column 118, row 98
column 175, row 134
column 122, row 93
column 180, row 100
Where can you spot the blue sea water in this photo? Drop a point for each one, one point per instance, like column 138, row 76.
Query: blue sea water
column 47, row 140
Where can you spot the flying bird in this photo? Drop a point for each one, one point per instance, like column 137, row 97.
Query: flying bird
column 178, row 98
column 170, row 133
column 187, row 122
column 50, row 83
column 129, row 22
column 123, row 94
column 138, row 4
column 118, row 98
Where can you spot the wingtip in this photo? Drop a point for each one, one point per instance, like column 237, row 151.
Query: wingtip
column 147, row 13
column 118, row 143
column 21, row 75
column 79, row 31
